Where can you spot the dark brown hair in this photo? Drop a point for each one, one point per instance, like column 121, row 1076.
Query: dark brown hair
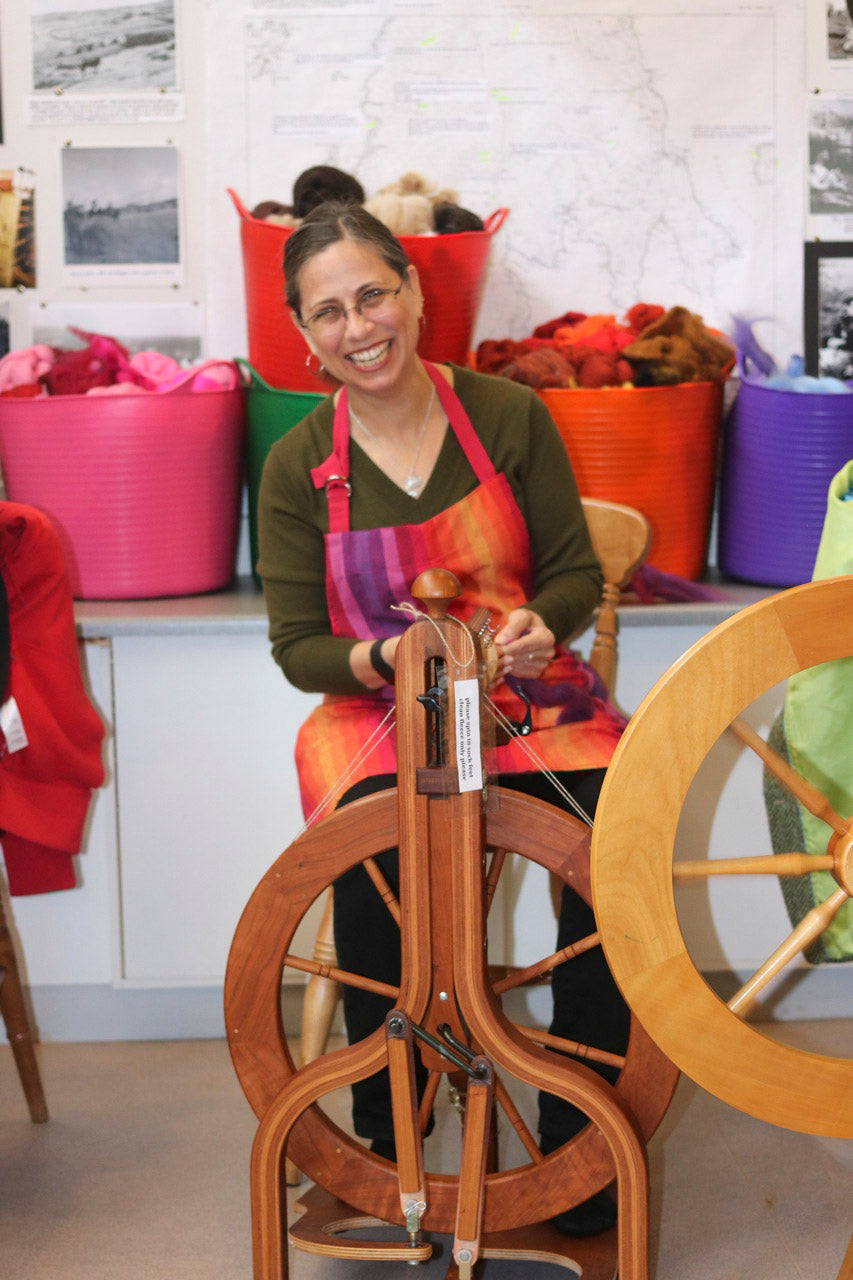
column 326, row 225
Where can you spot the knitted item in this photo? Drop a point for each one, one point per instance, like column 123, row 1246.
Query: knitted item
column 678, row 348
column 785, row 820
column 403, row 215
column 272, row 211
column 817, row 719
column 45, row 786
column 324, row 182
column 451, row 218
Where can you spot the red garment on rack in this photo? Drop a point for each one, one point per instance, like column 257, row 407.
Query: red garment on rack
column 45, row 786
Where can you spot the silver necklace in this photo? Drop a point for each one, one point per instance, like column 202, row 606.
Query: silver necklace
column 414, row 482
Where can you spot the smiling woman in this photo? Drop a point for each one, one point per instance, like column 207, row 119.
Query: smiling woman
column 408, row 466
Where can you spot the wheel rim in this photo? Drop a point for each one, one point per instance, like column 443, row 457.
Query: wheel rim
column 264, row 1064
column 632, row 848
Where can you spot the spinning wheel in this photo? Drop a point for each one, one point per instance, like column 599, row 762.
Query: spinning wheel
column 443, row 906
column 659, row 754
column 265, row 1063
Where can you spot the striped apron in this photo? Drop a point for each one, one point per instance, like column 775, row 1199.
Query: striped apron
column 484, row 541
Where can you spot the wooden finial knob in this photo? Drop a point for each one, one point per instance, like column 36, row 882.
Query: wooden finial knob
column 436, row 588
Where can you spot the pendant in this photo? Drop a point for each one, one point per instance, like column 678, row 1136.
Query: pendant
column 413, row 484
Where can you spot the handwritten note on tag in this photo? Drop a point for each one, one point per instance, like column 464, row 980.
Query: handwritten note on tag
column 468, row 761
column 12, row 726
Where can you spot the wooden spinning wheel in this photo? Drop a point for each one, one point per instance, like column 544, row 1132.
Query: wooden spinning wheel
column 667, row 739
column 442, row 908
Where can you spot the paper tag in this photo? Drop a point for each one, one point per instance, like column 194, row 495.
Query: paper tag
column 12, row 726
column 468, row 763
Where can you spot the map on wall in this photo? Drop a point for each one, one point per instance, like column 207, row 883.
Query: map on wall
column 638, row 153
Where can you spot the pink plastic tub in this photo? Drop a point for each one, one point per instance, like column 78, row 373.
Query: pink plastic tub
column 143, row 490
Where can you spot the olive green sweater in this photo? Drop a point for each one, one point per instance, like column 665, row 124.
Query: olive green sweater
column 520, row 438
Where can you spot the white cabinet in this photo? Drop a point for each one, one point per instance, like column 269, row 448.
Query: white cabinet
column 205, row 730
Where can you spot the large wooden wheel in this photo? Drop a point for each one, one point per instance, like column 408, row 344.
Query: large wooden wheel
column 529, row 1191
column 670, row 734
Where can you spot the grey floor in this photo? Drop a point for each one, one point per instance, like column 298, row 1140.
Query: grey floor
column 141, row 1173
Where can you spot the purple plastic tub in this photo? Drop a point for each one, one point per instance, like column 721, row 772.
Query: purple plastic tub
column 780, row 452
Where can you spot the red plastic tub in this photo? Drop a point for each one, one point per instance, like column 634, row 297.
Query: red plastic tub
column 143, row 490
column 451, row 269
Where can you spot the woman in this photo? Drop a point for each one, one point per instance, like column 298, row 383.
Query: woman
column 409, row 466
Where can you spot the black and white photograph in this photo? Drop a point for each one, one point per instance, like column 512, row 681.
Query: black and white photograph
column 120, row 205
column 839, row 29
column 4, row 329
column 828, row 300
column 17, row 229
column 831, row 157
column 98, row 46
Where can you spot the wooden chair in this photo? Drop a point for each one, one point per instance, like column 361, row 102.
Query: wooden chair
column 17, row 1022
column 621, row 537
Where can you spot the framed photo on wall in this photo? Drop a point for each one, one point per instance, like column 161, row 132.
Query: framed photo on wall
column 828, row 304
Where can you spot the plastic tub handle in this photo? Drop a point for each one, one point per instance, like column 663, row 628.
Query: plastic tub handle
column 495, row 221
column 191, row 374
column 238, row 204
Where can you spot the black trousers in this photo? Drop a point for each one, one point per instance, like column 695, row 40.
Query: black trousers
column 587, row 1004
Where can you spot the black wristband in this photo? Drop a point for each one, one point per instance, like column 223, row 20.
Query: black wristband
column 380, row 666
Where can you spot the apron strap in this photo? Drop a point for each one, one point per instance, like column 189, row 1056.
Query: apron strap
column 333, row 474
column 480, row 462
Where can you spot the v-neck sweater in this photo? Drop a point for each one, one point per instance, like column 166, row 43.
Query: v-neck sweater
column 521, row 440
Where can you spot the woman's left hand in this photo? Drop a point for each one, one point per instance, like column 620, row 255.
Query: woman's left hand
column 526, row 645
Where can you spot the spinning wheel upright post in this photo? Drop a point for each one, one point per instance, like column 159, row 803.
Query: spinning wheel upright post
column 445, row 1002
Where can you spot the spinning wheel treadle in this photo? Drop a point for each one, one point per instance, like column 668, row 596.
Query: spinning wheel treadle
column 442, row 907
column 632, row 867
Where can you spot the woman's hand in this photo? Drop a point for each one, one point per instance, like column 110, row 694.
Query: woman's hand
column 526, row 645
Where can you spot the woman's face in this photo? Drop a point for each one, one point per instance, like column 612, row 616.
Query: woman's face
column 369, row 351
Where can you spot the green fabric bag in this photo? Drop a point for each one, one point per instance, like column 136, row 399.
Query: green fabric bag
column 815, row 733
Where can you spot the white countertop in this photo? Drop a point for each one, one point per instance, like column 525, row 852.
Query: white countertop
column 241, row 608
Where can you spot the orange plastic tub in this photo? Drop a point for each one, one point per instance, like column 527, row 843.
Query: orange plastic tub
column 653, row 448
column 451, row 269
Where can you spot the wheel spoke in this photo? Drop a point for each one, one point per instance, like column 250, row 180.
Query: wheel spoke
column 515, row 1118
column 572, row 1047
column 496, row 866
column 776, row 864
column 383, row 888
column 809, row 797
column 810, row 927
column 346, row 978
column 519, row 977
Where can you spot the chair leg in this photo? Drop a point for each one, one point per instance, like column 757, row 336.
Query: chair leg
column 318, row 1006
column 321, row 994
column 17, row 1021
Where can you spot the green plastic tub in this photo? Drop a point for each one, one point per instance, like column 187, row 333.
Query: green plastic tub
column 269, row 415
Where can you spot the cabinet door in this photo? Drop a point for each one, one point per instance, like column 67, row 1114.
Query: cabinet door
column 207, row 794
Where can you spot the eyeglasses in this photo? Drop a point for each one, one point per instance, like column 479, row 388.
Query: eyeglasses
column 372, row 303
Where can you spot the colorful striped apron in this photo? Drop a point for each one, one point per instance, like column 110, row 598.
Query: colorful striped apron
column 484, row 541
